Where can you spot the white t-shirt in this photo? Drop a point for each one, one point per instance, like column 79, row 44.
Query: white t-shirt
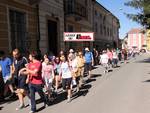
column 115, row 56
column 104, row 58
column 65, row 70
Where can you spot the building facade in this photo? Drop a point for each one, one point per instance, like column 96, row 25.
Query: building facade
column 18, row 25
column 106, row 27
column 78, row 18
column 136, row 39
column 40, row 24
column 148, row 39
column 51, row 22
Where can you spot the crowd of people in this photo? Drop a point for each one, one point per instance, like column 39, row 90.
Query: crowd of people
column 24, row 76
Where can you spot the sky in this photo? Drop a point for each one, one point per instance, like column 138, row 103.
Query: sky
column 118, row 8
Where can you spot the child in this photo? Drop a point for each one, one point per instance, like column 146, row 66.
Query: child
column 66, row 74
column 48, row 75
column 57, row 65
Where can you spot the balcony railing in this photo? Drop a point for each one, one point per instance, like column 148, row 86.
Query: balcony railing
column 73, row 7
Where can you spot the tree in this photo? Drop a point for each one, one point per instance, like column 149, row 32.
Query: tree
column 143, row 17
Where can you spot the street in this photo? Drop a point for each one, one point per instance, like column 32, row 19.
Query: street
column 123, row 90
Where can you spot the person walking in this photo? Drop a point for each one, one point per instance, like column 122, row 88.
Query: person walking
column 34, row 69
column 22, row 89
column 110, row 55
column 89, row 61
column 19, row 62
column 104, row 61
column 80, row 66
column 48, row 76
column 66, row 75
column 57, row 64
column 6, row 70
column 95, row 56
column 115, row 59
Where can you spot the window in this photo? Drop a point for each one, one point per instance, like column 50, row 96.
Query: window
column 104, row 19
column 104, row 30
column 96, row 29
column 111, row 32
column 17, row 30
column 100, row 15
column 70, row 28
column 107, row 31
column 96, row 14
column 101, row 29
column 86, row 2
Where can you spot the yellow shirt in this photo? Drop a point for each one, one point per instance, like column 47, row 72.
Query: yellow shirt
column 80, row 61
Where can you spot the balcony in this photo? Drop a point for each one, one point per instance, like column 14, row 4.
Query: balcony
column 72, row 7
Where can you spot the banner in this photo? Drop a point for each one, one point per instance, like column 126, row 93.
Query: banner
column 78, row 36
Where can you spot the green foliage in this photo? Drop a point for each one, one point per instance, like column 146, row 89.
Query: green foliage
column 144, row 16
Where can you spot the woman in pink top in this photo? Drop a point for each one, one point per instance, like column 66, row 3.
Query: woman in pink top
column 110, row 55
column 47, row 75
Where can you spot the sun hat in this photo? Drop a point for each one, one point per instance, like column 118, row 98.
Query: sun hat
column 71, row 50
column 86, row 49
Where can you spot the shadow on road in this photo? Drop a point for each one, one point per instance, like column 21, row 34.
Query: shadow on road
column 117, row 66
column 8, row 100
column 110, row 70
column 96, row 75
column 1, row 107
column 144, row 61
column 90, row 80
column 94, row 67
column 60, row 97
column 40, row 109
column 147, row 80
column 83, row 91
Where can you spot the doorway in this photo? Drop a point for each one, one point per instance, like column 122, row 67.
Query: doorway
column 52, row 37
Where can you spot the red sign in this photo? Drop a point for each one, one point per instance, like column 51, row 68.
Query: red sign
column 78, row 36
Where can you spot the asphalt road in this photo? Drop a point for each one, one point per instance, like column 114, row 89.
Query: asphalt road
column 124, row 90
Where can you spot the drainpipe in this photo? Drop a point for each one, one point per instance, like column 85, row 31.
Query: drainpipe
column 38, row 31
column 65, row 28
column 93, row 23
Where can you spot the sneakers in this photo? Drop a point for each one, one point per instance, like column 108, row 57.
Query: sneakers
column 106, row 71
column 68, row 99
column 20, row 107
column 31, row 111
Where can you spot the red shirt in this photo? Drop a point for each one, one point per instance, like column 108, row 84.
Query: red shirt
column 35, row 78
column 110, row 55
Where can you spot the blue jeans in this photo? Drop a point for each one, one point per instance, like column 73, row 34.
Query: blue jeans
column 36, row 88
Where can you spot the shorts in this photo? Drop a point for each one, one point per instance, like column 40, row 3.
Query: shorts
column 22, row 82
column 56, row 73
column 88, row 66
column 66, row 83
column 7, row 80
